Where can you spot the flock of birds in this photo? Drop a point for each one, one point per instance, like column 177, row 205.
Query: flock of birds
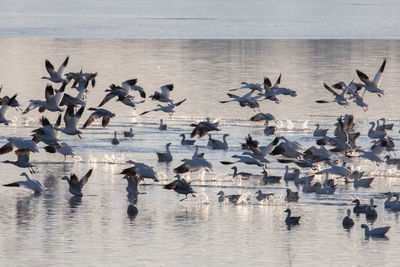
column 328, row 159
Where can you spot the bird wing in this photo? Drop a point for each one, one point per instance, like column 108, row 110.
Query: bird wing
column 62, row 67
column 94, row 116
column 74, row 179
column 49, row 92
column 330, row 89
column 166, row 89
column 378, row 76
column 6, row 148
column 50, row 68
column 85, row 178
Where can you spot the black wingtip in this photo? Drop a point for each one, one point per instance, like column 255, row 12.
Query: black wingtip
column 382, row 68
column 143, row 94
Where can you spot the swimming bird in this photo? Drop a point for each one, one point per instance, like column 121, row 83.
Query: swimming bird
column 358, row 208
column 181, row 186
column 167, row 109
column 370, row 212
column 115, row 140
column 389, row 202
column 291, row 196
column 319, row 132
column 5, row 105
column 186, row 141
column 163, row 96
column 217, row 144
column 75, row 185
column 62, row 148
column 291, row 176
column 373, row 86
column 291, row 220
column 261, row 196
column 202, row 128
column 347, row 221
column 52, row 102
column 231, row 198
column 56, row 77
column 165, row 156
column 129, row 133
column 163, row 126
column 358, row 182
column 268, row 179
column 29, row 183
column 310, row 188
column 327, row 190
column 375, row 232
column 235, row 174
column 99, row 113
column 140, row 170
column 269, row 130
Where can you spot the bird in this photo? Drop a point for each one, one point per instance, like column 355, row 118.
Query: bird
column 47, row 133
column 290, row 220
column 266, row 179
column 370, row 212
column 163, row 96
column 162, row 126
column 22, row 161
column 194, row 164
column 389, row 202
column 129, row 133
column 140, row 170
column 5, row 105
column 291, row 176
column 375, row 232
column 167, row 109
column 261, row 196
column 373, row 86
column 263, row 117
column 230, row 198
column 347, row 222
column 186, row 142
column 291, row 196
column 99, row 113
column 319, row 132
column 75, row 185
column 71, row 120
column 269, row 130
column 202, row 128
column 131, row 85
column 181, row 186
column 358, row 208
column 62, row 148
column 165, row 156
column 374, row 134
column 115, row 140
column 339, row 98
column 56, row 77
column 22, row 145
column 29, row 183
column 217, row 144
column 358, row 182
column 327, row 190
column 52, row 102
column 132, row 210
column 243, row 175
column 132, row 187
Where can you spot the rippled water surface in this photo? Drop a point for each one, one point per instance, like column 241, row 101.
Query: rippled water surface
column 57, row 229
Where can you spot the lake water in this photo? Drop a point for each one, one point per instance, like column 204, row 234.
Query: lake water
column 56, row 229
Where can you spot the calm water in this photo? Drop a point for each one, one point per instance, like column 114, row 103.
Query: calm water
column 56, row 229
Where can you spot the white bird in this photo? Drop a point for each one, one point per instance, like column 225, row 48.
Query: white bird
column 115, row 140
column 267, row 179
column 186, row 142
column 56, row 77
column 373, row 86
column 129, row 133
column 75, row 185
column 310, row 188
column 389, row 202
column 71, row 120
column 163, row 96
column 132, row 85
column 375, row 232
column 52, row 102
column 371, row 212
column 167, row 109
column 62, row 148
column 244, row 101
column 162, row 126
column 47, row 133
column 5, row 105
column 202, row 128
column 181, row 186
column 320, row 132
column 99, row 113
column 217, row 144
column 339, row 98
column 132, row 187
column 194, row 164
column 22, row 146
column 140, row 170
column 31, row 184
column 269, row 130
column 165, row 156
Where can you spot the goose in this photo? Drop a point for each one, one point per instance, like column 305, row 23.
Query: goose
column 47, row 133
column 193, row 165
column 358, row 208
column 14, row 103
column 261, row 150
column 31, row 184
column 359, row 99
column 277, row 90
column 328, row 190
column 244, row 159
column 115, row 140
column 386, row 126
column 374, row 134
column 231, row 198
column 263, row 117
column 251, row 86
column 319, row 132
column 269, row 91
column 243, row 175
column 22, row 161
column 375, row 232
column 388, row 201
column 202, row 128
column 128, row 101
column 132, row 85
column 290, row 219
column 269, row 130
column 56, row 77
column 162, row 126
column 347, row 222
column 395, row 204
column 62, row 148
column 99, row 113
column 217, row 144
column 79, row 100
column 267, row 179
column 311, row 188
column 163, row 96
column 52, row 102
column 244, row 101
column 358, row 182
column 129, row 133
column 339, row 98
column 261, row 196
column 81, row 76
column 113, row 91
column 291, row 196
column 71, row 120
column 181, row 186
column 22, row 145
column 303, row 180
column 373, row 86
column 186, row 142
column 167, row 109
column 165, row 156
column 5, row 106
column 140, row 170
column 75, row 185
column 370, row 211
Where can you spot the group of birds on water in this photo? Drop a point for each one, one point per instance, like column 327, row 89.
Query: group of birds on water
column 320, row 159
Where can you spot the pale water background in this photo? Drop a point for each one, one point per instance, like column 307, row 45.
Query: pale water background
column 56, row 229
